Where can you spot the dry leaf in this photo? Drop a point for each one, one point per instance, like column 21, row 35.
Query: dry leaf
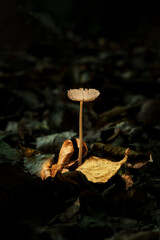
column 100, row 170
column 129, row 182
column 65, row 155
column 136, row 159
column 39, row 165
column 8, row 154
column 28, row 152
column 52, row 143
column 138, row 165
column 112, row 114
column 110, row 150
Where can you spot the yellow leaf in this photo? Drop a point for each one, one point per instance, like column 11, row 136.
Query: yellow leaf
column 100, row 170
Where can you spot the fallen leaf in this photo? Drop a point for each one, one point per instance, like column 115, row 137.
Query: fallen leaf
column 8, row 154
column 28, row 152
column 39, row 165
column 113, row 114
column 128, row 180
column 138, row 165
column 100, row 170
column 52, row 143
column 110, row 150
column 150, row 112
column 123, row 223
column 12, row 127
column 136, row 159
column 65, row 155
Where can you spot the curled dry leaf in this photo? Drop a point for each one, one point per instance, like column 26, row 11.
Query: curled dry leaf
column 100, row 170
column 65, row 155
column 110, row 150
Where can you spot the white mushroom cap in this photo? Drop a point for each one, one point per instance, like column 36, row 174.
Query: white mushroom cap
column 85, row 95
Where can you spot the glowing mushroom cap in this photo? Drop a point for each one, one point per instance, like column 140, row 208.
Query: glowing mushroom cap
column 85, row 95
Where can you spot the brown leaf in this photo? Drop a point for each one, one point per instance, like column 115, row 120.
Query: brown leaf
column 28, row 152
column 142, row 162
column 65, row 155
column 138, row 165
column 129, row 182
column 100, row 170
column 137, row 159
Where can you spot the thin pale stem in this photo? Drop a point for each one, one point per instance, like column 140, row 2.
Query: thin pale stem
column 80, row 134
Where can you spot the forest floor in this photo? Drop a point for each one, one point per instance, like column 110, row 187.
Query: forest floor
column 36, row 117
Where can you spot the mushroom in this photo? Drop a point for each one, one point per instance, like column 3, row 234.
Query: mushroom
column 82, row 95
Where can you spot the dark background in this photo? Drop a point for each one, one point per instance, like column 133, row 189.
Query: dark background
column 116, row 20
column 67, row 30
column 109, row 45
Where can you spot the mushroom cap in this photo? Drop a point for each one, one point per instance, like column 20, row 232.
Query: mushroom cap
column 85, row 95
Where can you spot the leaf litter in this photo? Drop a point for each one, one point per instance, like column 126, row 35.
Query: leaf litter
column 126, row 203
column 94, row 169
column 100, row 170
column 65, row 155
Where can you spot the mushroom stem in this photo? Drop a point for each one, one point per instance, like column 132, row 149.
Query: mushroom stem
column 80, row 134
column 82, row 95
